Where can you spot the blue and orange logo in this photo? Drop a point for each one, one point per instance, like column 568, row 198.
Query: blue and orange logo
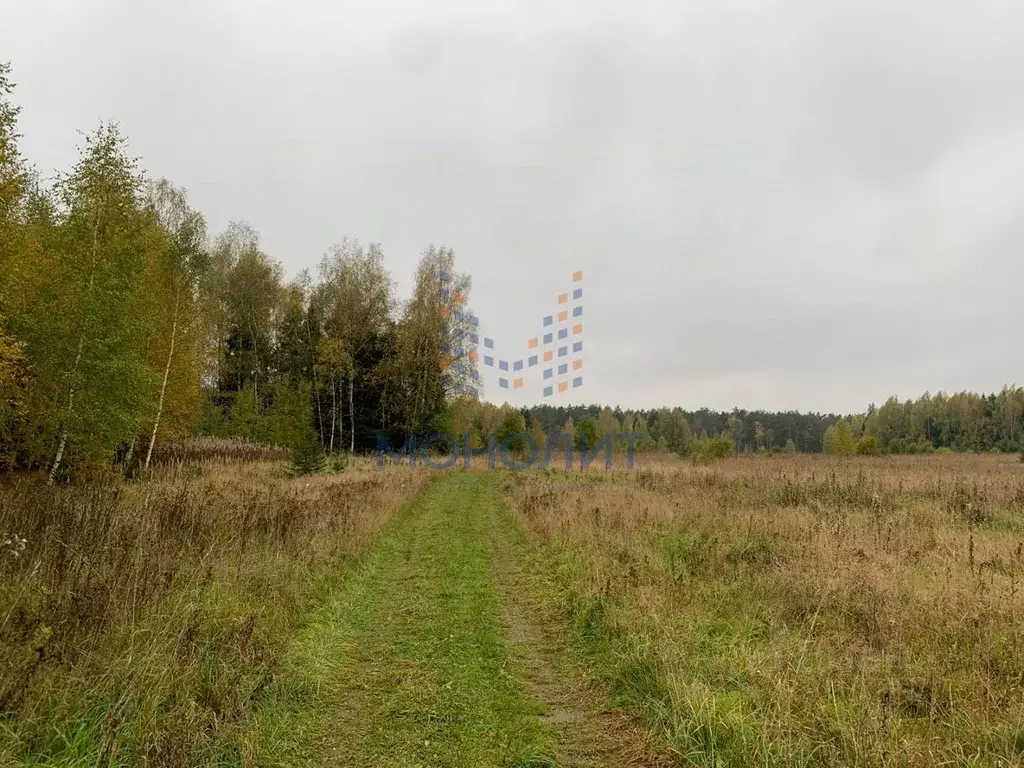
column 553, row 358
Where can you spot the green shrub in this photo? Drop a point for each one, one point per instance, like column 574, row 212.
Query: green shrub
column 867, row 446
column 721, row 447
column 337, row 463
column 839, row 439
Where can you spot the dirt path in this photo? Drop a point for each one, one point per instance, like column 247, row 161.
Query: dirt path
column 437, row 652
column 586, row 731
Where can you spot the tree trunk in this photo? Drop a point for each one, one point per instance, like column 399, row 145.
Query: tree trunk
column 78, row 356
column 163, row 387
column 334, row 410
column 131, row 453
column 341, row 417
column 419, row 389
column 316, row 386
column 351, row 417
column 60, row 455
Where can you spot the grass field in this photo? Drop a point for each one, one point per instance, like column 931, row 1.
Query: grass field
column 760, row 611
column 801, row 611
column 142, row 621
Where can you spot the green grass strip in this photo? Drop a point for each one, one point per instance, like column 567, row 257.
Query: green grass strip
column 409, row 665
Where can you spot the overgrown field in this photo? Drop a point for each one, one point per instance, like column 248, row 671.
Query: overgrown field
column 800, row 610
column 771, row 610
column 141, row 622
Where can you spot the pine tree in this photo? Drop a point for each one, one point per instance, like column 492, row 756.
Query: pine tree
column 588, row 434
column 307, row 455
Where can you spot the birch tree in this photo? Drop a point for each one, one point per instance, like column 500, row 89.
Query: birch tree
column 180, row 272
column 433, row 341
column 356, row 304
column 247, row 285
column 92, row 330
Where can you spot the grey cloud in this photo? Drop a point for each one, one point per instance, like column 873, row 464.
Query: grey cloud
column 786, row 204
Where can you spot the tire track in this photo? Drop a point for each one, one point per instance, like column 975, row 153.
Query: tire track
column 587, row 732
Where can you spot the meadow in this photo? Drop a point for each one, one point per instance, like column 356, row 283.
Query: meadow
column 800, row 610
column 140, row 622
column 762, row 610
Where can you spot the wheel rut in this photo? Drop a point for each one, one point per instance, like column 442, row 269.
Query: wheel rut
column 587, row 731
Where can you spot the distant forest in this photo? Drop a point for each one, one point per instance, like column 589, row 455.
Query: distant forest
column 961, row 422
column 125, row 326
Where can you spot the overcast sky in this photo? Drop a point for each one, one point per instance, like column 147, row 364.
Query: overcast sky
column 807, row 205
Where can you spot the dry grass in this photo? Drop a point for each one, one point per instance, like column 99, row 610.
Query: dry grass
column 210, row 450
column 141, row 621
column 802, row 610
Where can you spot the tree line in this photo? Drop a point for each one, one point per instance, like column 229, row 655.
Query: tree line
column 964, row 421
column 123, row 325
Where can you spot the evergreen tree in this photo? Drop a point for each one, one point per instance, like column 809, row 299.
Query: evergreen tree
column 307, row 454
column 588, row 434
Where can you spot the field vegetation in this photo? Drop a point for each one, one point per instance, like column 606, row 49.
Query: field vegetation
column 800, row 610
column 143, row 623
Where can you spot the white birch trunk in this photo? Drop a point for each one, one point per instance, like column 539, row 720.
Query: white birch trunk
column 163, row 387
column 334, row 410
column 62, row 445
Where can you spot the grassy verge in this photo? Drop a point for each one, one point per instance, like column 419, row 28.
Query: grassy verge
column 408, row 665
column 143, row 623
